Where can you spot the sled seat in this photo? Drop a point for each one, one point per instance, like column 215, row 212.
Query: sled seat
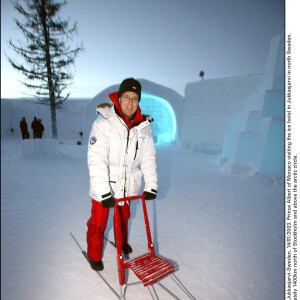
column 149, row 268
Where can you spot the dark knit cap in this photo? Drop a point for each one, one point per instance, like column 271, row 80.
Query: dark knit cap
column 130, row 85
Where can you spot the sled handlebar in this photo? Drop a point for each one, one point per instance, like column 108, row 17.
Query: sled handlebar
column 130, row 198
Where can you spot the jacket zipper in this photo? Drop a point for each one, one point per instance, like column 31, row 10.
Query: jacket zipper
column 126, row 162
column 136, row 149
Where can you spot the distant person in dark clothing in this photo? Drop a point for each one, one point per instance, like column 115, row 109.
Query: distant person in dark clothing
column 40, row 129
column 24, row 129
column 34, row 126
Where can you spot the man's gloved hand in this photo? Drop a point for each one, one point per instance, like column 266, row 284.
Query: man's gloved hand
column 149, row 196
column 107, row 203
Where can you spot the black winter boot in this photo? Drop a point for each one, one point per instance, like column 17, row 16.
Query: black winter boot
column 96, row 265
column 126, row 249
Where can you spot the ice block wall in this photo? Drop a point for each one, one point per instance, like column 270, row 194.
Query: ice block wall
column 256, row 141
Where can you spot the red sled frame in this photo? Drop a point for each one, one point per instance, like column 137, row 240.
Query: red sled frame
column 149, row 268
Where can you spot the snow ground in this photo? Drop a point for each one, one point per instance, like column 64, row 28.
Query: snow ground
column 225, row 231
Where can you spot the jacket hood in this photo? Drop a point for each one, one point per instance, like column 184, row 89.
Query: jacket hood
column 105, row 109
column 138, row 118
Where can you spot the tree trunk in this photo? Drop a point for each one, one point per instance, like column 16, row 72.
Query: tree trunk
column 49, row 70
column 53, row 120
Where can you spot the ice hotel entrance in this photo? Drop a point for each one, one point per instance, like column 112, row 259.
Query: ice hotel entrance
column 164, row 126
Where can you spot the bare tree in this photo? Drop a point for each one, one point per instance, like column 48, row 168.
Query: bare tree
column 46, row 54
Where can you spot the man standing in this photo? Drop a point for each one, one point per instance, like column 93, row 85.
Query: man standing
column 120, row 151
column 24, row 129
column 34, row 127
column 39, row 129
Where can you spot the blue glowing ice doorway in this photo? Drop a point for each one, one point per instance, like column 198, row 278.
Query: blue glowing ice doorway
column 164, row 126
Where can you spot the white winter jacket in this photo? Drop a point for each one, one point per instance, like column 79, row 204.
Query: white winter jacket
column 118, row 157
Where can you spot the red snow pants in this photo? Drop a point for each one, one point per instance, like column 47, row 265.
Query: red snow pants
column 97, row 225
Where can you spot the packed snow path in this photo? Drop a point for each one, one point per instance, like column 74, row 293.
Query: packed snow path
column 226, row 232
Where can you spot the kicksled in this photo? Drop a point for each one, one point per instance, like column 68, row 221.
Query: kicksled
column 149, row 268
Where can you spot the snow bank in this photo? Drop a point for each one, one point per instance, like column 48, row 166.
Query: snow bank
column 46, row 148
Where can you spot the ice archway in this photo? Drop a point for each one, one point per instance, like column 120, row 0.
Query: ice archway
column 164, row 126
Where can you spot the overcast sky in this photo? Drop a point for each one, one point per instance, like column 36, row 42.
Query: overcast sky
column 165, row 41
